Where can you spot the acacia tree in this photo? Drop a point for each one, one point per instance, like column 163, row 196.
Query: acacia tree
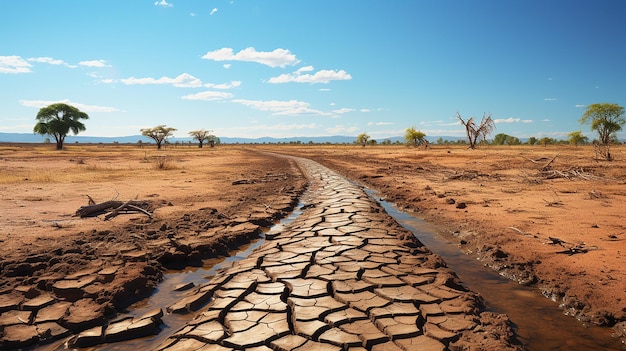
column 57, row 120
column 576, row 138
column 477, row 132
column 414, row 137
column 607, row 119
column 201, row 136
column 362, row 139
column 159, row 134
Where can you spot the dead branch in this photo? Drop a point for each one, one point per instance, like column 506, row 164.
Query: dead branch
column 519, row 231
column 547, row 165
column 116, row 211
column 107, row 206
column 553, row 203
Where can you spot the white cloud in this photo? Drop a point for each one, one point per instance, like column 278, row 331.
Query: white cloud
column 232, row 84
column 192, row 14
column 323, row 76
column 213, row 11
column 580, row 105
column 549, row 99
column 340, row 129
column 208, row 96
column 227, row 65
column 365, row 110
column 184, row 80
column 163, row 3
column 14, row 64
column 512, row 120
column 94, row 63
column 50, row 60
column 282, row 108
column 324, row 89
column 78, row 105
column 276, row 58
column 342, row 110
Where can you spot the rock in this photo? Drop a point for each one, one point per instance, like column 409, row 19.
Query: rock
column 461, row 205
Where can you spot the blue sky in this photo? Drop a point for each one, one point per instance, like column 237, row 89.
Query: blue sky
column 312, row 68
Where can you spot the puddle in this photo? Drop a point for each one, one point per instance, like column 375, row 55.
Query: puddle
column 539, row 323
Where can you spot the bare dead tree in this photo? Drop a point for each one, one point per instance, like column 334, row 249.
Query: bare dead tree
column 477, row 132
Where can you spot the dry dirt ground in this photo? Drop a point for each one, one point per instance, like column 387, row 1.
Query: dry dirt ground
column 501, row 204
column 203, row 202
column 552, row 216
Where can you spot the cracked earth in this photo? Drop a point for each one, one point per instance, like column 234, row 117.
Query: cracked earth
column 342, row 276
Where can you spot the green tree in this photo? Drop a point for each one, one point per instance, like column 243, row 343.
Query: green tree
column 546, row 141
column 57, row 120
column 576, row 138
column 200, row 135
column 532, row 140
column 414, row 137
column 159, row 134
column 607, row 119
column 511, row 140
column 362, row 139
column 499, row 139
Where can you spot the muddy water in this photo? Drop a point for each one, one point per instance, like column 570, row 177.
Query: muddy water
column 538, row 321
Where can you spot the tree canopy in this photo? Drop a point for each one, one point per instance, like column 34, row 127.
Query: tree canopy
column 57, row 120
column 159, row 134
column 576, row 138
column 607, row 119
column 362, row 138
column 201, row 136
column 414, row 137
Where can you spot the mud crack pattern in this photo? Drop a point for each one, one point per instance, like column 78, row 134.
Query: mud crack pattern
column 342, row 276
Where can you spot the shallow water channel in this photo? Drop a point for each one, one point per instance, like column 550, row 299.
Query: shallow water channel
column 539, row 323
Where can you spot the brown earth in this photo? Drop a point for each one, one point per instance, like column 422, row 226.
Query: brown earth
column 552, row 217
column 498, row 203
column 204, row 202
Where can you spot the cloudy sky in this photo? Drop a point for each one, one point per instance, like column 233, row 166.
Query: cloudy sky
column 312, row 68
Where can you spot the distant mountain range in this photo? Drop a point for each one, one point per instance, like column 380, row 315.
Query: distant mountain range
column 131, row 139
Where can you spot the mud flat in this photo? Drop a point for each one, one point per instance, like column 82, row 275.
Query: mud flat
column 343, row 275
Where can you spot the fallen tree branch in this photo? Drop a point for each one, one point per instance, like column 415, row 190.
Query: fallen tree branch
column 107, row 206
column 547, row 165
